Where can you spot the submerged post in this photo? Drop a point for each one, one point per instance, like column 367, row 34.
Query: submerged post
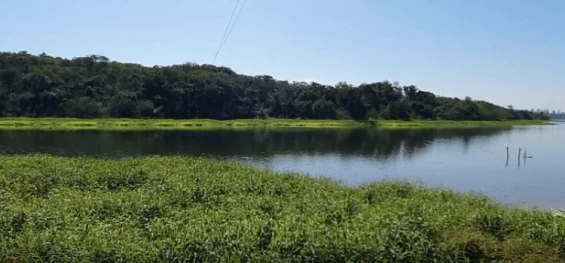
column 525, row 152
column 519, row 152
column 507, row 156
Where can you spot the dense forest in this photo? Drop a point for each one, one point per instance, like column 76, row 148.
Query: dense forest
column 94, row 86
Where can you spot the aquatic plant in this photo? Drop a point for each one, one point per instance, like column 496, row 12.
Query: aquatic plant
column 180, row 209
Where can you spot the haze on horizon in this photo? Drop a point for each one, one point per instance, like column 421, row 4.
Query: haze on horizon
column 506, row 52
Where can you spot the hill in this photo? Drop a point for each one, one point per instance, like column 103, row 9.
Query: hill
column 95, row 87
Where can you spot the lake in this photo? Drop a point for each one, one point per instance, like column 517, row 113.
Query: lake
column 462, row 159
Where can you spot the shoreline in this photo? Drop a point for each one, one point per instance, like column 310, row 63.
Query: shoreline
column 197, row 124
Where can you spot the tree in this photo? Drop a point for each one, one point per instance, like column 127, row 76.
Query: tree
column 94, row 86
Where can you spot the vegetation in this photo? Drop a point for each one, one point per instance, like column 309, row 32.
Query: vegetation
column 178, row 209
column 95, row 87
column 557, row 115
column 169, row 124
column 457, row 124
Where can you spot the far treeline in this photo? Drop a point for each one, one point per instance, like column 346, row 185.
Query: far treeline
column 95, row 87
column 557, row 115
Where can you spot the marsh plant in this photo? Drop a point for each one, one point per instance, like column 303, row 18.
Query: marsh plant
column 180, row 209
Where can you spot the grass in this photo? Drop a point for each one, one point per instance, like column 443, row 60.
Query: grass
column 457, row 124
column 180, row 209
column 167, row 124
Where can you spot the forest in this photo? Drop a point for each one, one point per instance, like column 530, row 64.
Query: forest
column 96, row 87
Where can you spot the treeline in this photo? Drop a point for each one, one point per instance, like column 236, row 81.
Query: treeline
column 94, row 86
column 559, row 116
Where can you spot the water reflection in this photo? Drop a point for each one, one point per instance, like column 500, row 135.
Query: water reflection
column 460, row 159
column 375, row 143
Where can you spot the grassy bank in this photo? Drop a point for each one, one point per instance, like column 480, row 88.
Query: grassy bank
column 177, row 209
column 457, row 124
column 132, row 124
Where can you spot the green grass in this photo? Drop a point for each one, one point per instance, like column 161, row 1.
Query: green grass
column 167, row 124
column 179, row 209
column 457, row 124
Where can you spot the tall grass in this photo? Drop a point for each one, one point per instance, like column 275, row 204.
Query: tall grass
column 178, row 209
column 164, row 124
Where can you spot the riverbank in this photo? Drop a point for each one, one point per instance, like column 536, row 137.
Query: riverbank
column 156, row 209
column 149, row 124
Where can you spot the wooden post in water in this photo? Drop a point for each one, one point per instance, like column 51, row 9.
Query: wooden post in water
column 519, row 152
column 507, row 155
column 525, row 154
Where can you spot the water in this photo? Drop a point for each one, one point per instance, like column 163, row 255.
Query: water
column 460, row 159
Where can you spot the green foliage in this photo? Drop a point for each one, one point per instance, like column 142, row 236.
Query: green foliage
column 81, row 107
column 179, row 209
column 168, row 124
column 95, row 87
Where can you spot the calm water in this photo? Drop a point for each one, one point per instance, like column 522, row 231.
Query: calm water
column 461, row 159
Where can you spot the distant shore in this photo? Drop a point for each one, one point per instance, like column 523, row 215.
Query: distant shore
column 187, row 124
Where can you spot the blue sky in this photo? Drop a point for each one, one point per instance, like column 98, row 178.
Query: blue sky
column 510, row 52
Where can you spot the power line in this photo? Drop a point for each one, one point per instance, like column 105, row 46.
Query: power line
column 230, row 30
column 235, row 21
column 226, row 31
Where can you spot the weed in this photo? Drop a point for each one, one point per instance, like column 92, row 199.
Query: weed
column 181, row 209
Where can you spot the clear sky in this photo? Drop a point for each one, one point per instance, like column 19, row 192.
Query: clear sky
column 510, row 52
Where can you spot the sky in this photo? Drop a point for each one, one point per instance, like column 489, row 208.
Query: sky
column 509, row 52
